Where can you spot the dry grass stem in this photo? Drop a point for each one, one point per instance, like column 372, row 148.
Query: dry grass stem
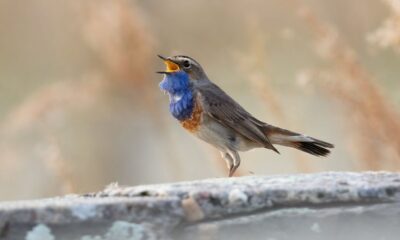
column 44, row 111
column 373, row 121
column 117, row 35
column 388, row 35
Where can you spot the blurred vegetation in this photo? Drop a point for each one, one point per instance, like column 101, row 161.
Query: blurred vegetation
column 80, row 105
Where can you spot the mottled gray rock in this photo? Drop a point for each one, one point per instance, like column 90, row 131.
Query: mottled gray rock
column 309, row 206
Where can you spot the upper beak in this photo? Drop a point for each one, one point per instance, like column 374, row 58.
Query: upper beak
column 171, row 65
column 163, row 58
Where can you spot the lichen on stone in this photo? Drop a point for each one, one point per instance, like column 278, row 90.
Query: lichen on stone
column 121, row 230
column 40, row 232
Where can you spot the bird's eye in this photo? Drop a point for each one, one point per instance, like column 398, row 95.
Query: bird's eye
column 186, row 64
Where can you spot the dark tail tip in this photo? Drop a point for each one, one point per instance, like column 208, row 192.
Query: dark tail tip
column 315, row 148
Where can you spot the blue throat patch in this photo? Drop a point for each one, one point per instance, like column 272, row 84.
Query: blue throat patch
column 181, row 102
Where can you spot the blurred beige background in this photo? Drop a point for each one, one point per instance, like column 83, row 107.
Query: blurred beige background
column 80, row 105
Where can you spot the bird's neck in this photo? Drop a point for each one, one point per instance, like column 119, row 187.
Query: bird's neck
column 181, row 100
column 181, row 104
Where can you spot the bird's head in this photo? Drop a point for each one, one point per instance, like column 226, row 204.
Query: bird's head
column 184, row 64
column 181, row 73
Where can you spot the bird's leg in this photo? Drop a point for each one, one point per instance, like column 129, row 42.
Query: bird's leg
column 236, row 161
column 229, row 161
column 232, row 171
column 233, row 161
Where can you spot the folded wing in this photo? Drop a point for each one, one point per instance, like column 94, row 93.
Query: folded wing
column 221, row 107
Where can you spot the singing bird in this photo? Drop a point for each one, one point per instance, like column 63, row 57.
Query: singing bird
column 205, row 110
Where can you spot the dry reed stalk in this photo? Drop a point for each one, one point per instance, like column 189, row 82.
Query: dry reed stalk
column 115, row 32
column 375, row 124
column 44, row 107
column 44, row 110
column 56, row 164
column 388, row 35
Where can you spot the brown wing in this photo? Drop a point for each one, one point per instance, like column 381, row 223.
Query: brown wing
column 218, row 105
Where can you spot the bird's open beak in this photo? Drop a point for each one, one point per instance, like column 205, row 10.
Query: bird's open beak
column 171, row 66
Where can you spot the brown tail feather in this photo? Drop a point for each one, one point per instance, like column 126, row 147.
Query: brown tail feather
column 301, row 142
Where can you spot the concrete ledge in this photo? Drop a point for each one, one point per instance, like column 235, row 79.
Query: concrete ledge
column 309, row 206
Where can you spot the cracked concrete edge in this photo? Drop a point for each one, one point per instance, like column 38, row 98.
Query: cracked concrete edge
column 167, row 206
column 338, row 222
column 214, row 198
column 165, row 213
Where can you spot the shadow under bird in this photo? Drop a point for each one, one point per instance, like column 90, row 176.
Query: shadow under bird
column 205, row 110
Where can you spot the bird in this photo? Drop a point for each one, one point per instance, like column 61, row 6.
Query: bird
column 209, row 113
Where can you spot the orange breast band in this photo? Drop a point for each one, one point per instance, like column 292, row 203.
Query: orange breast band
column 192, row 124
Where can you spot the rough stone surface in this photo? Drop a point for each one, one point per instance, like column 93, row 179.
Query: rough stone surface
column 308, row 206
